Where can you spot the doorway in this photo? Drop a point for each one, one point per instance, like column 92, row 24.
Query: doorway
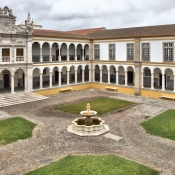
column 130, row 77
column 6, row 80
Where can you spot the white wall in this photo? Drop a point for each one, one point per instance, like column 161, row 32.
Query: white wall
column 104, row 51
column 121, row 51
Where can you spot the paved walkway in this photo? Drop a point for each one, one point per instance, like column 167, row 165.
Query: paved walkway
column 51, row 140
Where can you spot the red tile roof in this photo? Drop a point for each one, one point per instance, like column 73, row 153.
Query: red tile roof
column 86, row 31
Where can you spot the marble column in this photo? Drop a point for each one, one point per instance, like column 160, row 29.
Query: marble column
column 100, row 75
column 89, row 75
column 12, row 84
column 50, row 79
column 82, row 75
column 82, row 54
column 142, row 82
column 41, row 55
column 163, row 82
column 116, row 77
column 126, row 78
column 75, row 76
column 67, row 77
column 59, row 57
column 41, row 80
column 50, row 57
column 75, row 54
column 59, row 73
column 67, row 54
column 174, row 84
column 152, row 80
column 108, row 76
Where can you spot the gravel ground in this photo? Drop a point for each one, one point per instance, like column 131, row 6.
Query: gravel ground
column 51, row 141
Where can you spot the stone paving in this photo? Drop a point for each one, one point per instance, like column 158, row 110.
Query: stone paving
column 51, row 141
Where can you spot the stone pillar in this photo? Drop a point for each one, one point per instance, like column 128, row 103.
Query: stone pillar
column 67, row 54
column 67, row 77
column 41, row 80
column 89, row 75
column 29, row 77
column 116, row 77
column 126, row 78
column 50, row 79
column 83, row 54
column 25, row 81
column 137, row 64
column 142, row 83
column 59, row 78
column 93, row 75
column 59, row 57
column 174, row 84
column 12, row 84
column 163, row 82
column 108, row 76
column 41, row 55
column 75, row 54
column 50, row 57
column 152, row 80
column 82, row 75
column 75, row 76
column 100, row 75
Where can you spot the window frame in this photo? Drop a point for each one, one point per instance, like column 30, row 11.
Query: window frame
column 168, row 47
column 111, row 48
column 131, row 48
column 146, row 47
column 95, row 49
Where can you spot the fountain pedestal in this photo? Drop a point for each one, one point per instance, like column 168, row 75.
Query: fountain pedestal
column 88, row 126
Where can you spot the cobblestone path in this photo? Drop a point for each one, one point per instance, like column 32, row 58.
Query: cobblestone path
column 51, row 140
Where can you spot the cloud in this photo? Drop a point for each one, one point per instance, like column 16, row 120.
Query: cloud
column 78, row 14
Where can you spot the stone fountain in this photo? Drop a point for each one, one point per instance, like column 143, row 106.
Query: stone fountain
column 88, row 125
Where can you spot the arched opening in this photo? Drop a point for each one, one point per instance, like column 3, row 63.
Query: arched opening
column 169, row 80
column 72, row 74
column 19, row 80
column 147, row 77
column 121, row 75
column 112, row 75
column 5, row 81
column 130, row 76
column 97, row 73
column 86, row 52
column 46, row 77
column 79, row 52
column 46, row 52
column 157, row 78
column 86, row 73
column 64, row 76
column 55, row 52
column 72, row 52
column 79, row 74
column 35, row 52
column 104, row 74
column 55, row 77
column 63, row 52
column 36, row 78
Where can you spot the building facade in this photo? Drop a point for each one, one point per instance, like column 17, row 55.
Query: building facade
column 137, row 61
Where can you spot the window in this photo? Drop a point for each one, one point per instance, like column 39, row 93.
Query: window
column 5, row 55
column 130, row 51
column 96, row 51
column 19, row 52
column 168, row 51
column 145, row 52
column 111, row 51
column 147, row 72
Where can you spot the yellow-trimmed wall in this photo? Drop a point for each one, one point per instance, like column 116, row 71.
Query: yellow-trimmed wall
column 121, row 89
column 154, row 94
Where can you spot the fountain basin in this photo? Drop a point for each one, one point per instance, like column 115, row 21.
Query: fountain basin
column 79, row 127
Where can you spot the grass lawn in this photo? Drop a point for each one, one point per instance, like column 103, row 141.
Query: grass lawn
column 102, row 105
column 94, row 165
column 162, row 125
column 14, row 129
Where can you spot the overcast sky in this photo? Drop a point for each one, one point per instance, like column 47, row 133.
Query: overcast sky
column 81, row 14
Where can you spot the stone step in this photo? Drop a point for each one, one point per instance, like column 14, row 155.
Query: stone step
column 19, row 98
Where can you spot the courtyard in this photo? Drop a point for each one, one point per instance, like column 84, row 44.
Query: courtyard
column 51, row 141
